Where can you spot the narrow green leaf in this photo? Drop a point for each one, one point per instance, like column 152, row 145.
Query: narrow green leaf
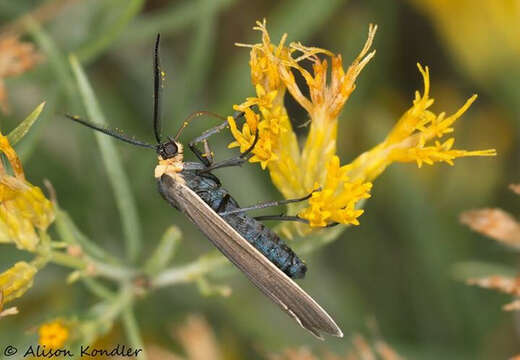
column 27, row 147
column 107, row 36
column 113, row 165
column 165, row 251
column 19, row 132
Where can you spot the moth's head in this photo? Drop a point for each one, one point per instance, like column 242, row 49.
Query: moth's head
column 169, row 149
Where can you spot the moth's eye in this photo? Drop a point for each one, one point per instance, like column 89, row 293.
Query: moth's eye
column 170, row 149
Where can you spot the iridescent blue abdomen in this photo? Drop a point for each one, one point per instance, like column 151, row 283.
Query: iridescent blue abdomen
column 208, row 187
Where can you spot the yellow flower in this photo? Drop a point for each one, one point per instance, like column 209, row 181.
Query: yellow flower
column 410, row 139
column 53, row 334
column 296, row 170
column 23, row 207
column 15, row 281
column 268, row 133
column 337, row 199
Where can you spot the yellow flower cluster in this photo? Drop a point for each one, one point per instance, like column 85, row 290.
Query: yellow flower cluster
column 268, row 127
column 23, row 207
column 410, row 139
column 336, row 201
column 53, row 335
column 297, row 171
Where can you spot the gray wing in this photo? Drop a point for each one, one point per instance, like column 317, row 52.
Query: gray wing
column 260, row 271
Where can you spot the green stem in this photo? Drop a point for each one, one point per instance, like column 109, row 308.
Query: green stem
column 96, row 288
column 118, row 179
column 123, row 299
column 69, row 233
column 66, row 260
column 106, row 314
column 206, row 264
column 190, row 272
column 132, row 330
column 164, row 252
column 113, row 272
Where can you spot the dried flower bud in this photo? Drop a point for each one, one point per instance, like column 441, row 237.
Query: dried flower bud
column 17, row 280
column 495, row 223
column 16, row 57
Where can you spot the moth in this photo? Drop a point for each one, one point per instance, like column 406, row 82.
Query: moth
column 252, row 247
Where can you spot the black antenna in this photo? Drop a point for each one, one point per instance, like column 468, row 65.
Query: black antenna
column 157, row 86
column 111, row 132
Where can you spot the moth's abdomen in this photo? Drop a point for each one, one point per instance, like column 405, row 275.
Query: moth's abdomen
column 256, row 233
column 268, row 243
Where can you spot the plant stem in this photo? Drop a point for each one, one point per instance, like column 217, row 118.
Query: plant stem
column 70, row 234
column 66, row 260
column 113, row 272
column 132, row 330
column 96, row 288
column 118, row 179
column 190, row 272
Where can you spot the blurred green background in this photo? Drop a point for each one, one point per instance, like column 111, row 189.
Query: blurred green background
column 396, row 267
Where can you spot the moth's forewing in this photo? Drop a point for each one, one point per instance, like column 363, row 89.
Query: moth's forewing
column 260, row 271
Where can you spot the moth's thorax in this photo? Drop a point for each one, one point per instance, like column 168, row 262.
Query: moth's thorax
column 171, row 167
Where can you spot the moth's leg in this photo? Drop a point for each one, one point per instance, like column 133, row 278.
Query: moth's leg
column 289, row 218
column 203, row 157
column 207, row 151
column 234, row 161
column 223, row 203
column 281, row 217
column 266, row 205
column 205, row 135
column 210, row 132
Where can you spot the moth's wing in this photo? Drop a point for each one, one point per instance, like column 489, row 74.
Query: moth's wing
column 260, row 271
